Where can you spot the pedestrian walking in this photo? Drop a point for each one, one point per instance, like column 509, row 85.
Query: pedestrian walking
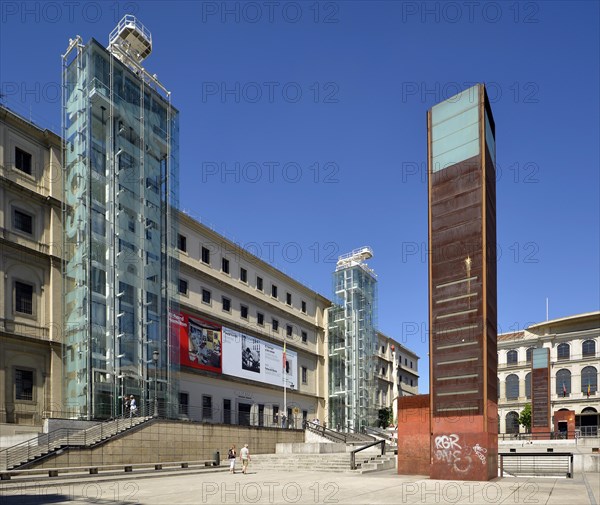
column 132, row 406
column 245, row 457
column 231, row 455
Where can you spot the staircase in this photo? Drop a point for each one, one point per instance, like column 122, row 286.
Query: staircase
column 331, row 463
column 42, row 446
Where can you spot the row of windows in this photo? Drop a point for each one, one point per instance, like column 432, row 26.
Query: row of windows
column 243, row 275
column 589, row 383
column 588, row 348
column 244, row 311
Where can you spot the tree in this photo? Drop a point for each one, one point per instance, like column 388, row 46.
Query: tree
column 525, row 417
column 386, row 417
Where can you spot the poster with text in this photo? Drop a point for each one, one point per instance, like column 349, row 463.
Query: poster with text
column 199, row 342
column 252, row 358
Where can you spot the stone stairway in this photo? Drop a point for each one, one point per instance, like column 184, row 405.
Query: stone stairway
column 332, row 462
column 46, row 444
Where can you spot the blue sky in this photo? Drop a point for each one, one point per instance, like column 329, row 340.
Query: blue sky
column 303, row 131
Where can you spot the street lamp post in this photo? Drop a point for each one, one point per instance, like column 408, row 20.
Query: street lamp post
column 155, row 359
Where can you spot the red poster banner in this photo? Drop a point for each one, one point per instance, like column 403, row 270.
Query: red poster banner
column 200, row 342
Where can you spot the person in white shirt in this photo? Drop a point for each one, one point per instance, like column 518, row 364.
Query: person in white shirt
column 245, row 456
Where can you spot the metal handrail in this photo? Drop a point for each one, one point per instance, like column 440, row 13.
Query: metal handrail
column 325, row 432
column 372, row 444
column 503, row 455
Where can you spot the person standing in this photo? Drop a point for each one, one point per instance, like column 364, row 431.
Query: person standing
column 231, row 455
column 132, row 406
column 245, row 456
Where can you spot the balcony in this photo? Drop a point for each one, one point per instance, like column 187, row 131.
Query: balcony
column 30, row 330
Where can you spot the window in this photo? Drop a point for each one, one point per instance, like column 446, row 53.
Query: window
column 23, row 298
column 206, row 407
column 512, row 387
column 411, row 382
column 563, row 351
column 273, row 290
column 288, row 330
column 181, row 242
column 205, row 255
column 304, row 337
column 512, row 357
column 243, row 275
column 225, row 265
column 226, row 304
column 22, row 161
column 382, row 349
column 588, row 348
column 304, row 375
column 275, row 414
column 528, row 355
column 244, row 312
column 563, row 383
column 288, row 298
column 528, row 385
column 405, row 361
column 303, row 306
column 183, row 286
column 589, row 380
column 259, row 283
column 184, row 402
column 23, row 384
column 512, row 422
column 205, row 296
column 411, row 363
column 382, row 370
column 384, row 397
column 23, row 221
column 275, row 324
column 260, row 318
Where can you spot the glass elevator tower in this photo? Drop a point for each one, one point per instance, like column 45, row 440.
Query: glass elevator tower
column 120, row 173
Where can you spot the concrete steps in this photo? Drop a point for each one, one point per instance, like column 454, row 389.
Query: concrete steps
column 335, row 463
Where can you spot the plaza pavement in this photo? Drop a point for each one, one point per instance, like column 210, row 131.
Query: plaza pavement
column 218, row 486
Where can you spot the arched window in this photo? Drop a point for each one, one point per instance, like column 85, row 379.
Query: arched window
column 528, row 385
column 512, row 422
column 528, row 355
column 563, row 383
column 589, row 380
column 512, row 357
column 588, row 348
column 512, row 387
column 563, row 351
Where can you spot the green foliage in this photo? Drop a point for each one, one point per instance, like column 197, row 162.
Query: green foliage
column 525, row 417
column 386, row 417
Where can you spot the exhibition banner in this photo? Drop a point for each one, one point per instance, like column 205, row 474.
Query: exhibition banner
column 252, row 358
column 199, row 342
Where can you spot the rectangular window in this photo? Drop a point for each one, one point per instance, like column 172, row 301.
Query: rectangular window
column 181, row 242
column 273, row 290
column 22, row 161
column 205, row 256
column 288, row 298
column 304, row 375
column 183, row 286
column 225, row 265
column 206, row 407
column 226, row 304
column 288, row 330
column 275, row 414
column 304, row 337
column 23, row 384
column 184, row 402
column 243, row 275
column 260, row 318
column 205, row 296
column 23, row 298
column 303, row 306
column 259, row 283
column 244, row 312
column 275, row 325
column 411, row 363
column 23, row 221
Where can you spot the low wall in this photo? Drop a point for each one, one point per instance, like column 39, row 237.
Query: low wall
column 309, row 448
column 55, row 424
column 165, row 441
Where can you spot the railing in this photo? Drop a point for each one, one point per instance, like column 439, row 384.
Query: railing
column 537, row 464
column 326, row 432
column 582, row 431
column 372, row 444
